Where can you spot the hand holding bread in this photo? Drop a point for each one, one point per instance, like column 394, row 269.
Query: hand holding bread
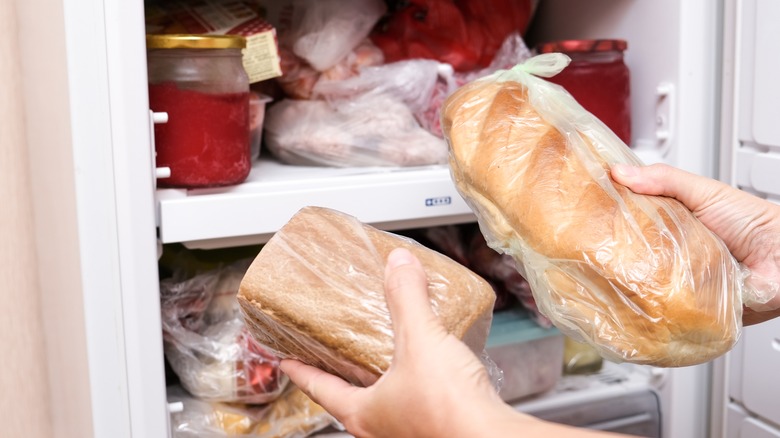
column 315, row 293
column 637, row 276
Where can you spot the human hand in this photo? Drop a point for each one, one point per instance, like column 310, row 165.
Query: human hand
column 433, row 381
column 748, row 225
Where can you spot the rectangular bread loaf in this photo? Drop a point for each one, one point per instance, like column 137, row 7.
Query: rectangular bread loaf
column 315, row 293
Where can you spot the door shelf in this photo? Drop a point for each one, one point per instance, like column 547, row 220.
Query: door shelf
column 249, row 213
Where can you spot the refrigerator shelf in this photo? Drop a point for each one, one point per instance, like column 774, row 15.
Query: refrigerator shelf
column 249, row 213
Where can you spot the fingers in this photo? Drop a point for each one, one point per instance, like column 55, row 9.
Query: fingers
column 327, row 390
column 406, row 290
column 659, row 179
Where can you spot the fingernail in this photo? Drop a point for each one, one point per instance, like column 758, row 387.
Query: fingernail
column 399, row 257
column 626, row 170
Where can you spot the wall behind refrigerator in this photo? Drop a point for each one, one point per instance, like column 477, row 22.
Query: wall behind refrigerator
column 24, row 400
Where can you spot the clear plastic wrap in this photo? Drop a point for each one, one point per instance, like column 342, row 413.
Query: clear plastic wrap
column 316, row 293
column 207, row 343
column 412, row 82
column 638, row 277
column 292, row 415
column 323, row 32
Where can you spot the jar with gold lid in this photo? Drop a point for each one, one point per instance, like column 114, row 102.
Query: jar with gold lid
column 200, row 81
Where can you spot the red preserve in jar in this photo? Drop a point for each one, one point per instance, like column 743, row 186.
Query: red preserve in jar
column 598, row 79
column 200, row 81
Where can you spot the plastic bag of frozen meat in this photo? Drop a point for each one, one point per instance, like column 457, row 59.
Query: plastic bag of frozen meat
column 207, row 344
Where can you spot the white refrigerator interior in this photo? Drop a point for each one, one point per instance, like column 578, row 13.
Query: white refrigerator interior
column 675, row 59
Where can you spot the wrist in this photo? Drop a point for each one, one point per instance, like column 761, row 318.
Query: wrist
column 492, row 418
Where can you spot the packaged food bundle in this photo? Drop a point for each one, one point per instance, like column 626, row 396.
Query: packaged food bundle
column 207, row 344
column 292, row 415
column 638, row 277
column 369, row 130
column 315, row 293
column 221, row 17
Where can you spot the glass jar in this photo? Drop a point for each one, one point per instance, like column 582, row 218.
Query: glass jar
column 580, row 358
column 598, row 79
column 200, row 81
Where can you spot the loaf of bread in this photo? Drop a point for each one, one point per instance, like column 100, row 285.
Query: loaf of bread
column 638, row 277
column 315, row 293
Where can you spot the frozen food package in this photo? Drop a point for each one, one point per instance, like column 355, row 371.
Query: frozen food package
column 315, row 293
column 636, row 276
column 299, row 77
column 369, row 130
column 292, row 415
column 208, row 345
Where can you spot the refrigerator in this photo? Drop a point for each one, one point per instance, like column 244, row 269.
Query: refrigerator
column 703, row 97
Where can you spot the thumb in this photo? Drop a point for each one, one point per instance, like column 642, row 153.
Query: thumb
column 406, row 291
column 693, row 190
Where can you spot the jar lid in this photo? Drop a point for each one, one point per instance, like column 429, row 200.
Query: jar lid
column 568, row 46
column 187, row 41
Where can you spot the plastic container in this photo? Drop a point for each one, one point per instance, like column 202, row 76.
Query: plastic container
column 580, row 358
column 598, row 78
column 257, row 104
column 200, row 81
column 530, row 356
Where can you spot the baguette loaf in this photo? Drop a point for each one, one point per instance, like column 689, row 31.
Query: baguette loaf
column 638, row 277
column 316, row 293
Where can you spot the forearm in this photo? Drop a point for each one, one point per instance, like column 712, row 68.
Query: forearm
column 750, row 316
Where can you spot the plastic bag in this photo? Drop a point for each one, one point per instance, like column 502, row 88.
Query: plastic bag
column 465, row 34
column 512, row 52
column 292, row 415
column 323, row 32
column 369, row 130
column 466, row 245
column 207, row 343
column 299, row 78
column 636, row 276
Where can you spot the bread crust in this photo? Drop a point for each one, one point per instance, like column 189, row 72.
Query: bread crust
column 315, row 292
column 637, row 276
